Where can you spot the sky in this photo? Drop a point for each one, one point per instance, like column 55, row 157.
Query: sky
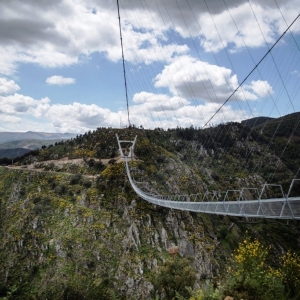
column 61, row 66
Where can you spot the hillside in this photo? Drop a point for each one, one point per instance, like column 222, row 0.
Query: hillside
column 12, row 153
column 283, row 127
column 13, row 136
column 72, row 227
column 284, row 138
column 14, row 144
column 30, row 144
column 253, row 122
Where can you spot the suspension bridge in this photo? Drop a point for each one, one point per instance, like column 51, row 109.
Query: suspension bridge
column 276, row 208
column 235, row 202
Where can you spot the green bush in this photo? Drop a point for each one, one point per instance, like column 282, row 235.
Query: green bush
column 173, row 278
column 76, row 179
column 250, row 277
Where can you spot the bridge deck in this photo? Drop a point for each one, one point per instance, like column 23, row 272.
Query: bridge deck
column 275, row 208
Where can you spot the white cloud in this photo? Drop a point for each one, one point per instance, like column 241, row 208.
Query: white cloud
column 57, row 33
column 260, row 87
column 18, row 104
column 295, row 73
column 60, row 80
column 8, row 63
column 200, row 19
column 158, row 102
column 53, row 33
column 8, row 86
column 21, row 113
column 10, row 119
column 151, row 110
column 77, row 115
column 193, row 79
column 60, row 33
column 220, row 31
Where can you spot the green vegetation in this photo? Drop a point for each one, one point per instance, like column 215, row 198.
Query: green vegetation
column 252, row 275
column 76, row 230
column 174, row 278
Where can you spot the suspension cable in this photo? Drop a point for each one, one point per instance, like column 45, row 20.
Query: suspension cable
column 251, row 71
column 123, row 63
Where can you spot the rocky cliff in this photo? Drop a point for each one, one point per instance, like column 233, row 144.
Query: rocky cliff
column 76, row 230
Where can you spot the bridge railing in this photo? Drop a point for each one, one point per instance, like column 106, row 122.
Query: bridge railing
column 231, row 202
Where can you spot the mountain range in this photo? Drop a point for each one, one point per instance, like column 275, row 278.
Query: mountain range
column 14, row 136
column 72, row 227
column 14, row 144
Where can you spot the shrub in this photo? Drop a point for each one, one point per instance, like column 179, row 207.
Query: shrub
column 98, row 166
column 49, row 167
column 173, row 277
column 75, row 179
column 87, row 183
column 250, row 276
column 61, row 189
column 290, row 274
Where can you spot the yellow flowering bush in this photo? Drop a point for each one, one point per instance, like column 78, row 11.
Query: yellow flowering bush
column 290, row 274
column 250, row 276
column 250, row 257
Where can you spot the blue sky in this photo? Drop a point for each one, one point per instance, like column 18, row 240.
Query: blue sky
column 61, row 67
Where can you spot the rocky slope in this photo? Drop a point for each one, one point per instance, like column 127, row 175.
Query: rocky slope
column 76, row 230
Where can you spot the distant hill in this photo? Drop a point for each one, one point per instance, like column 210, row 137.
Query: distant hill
column 283, row 126
column 14, row 144
column 30, row 144
column 13, row 136
column 256, row 121
column 12, row 153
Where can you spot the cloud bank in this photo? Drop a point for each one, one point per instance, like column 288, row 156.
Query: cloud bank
column 62, row 33
column 57, row 33
column 22, row 113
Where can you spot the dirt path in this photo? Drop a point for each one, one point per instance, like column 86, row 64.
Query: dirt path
column 48, row 172
column 60, row 162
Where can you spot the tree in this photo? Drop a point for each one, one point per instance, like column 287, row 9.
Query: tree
column 174, row 277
